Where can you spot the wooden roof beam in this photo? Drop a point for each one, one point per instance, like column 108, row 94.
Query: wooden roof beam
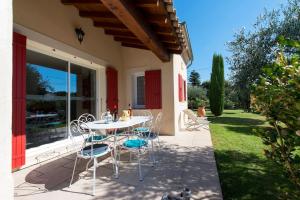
column 139, row 46
column 71, row 2
column 96, row 14
column 111, row 25
column 147, row 3
column 135, row 22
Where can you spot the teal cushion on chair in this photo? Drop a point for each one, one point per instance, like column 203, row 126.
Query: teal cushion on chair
column 142, row 129
column 96, row 138
column 98, row 150
column 149, row 135
column 136, row 143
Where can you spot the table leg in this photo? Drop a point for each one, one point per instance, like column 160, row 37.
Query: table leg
column 116, row 155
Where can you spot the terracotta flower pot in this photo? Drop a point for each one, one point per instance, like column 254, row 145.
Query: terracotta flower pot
column 201, row 111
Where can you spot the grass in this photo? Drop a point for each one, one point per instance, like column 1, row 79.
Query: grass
column 244, row 171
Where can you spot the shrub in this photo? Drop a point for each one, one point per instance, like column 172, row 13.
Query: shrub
column 196, row 97
column 277, row 96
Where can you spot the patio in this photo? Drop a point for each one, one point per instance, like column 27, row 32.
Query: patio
column 185, row 160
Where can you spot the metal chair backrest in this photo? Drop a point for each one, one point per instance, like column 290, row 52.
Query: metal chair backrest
column 147, row 124
column 79, row 128
column 157, row 124
column 86, row 117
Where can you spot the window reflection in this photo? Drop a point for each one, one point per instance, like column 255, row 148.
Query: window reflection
column 46, row 99
column 83, row 91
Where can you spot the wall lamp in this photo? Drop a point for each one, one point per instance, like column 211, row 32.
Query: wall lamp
column 80, row 34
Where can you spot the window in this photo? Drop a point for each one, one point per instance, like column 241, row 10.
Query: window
column 82, row 91
column 46, row 99
column 47, row 93
column 147, row 89
column 139, row 90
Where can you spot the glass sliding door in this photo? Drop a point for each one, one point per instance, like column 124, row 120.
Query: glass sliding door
column 46, row 99
column 82, row 91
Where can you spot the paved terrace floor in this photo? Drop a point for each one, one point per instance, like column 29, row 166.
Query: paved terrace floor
column 185, row 160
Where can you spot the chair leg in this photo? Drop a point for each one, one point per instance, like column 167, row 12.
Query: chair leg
column 158, row 143
column 73, row 171
column 140, row 169
column 87, row 165
column 94, row 175
column 153, row 156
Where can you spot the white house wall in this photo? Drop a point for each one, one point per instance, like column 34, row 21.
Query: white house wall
column 6, row 191
column 53, row 24
column 179, row 68
column 136, row 60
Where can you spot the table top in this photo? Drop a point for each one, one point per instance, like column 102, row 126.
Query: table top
column 134, row 120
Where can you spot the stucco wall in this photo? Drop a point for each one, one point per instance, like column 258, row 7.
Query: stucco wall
column 52, row 19
column 179, row 68
column 135, row 60
column 6, row 191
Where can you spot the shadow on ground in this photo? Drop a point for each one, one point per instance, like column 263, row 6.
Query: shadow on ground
column 177, row 167
column 235, row 121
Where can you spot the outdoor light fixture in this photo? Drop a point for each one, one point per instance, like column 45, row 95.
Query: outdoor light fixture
column 80, row 34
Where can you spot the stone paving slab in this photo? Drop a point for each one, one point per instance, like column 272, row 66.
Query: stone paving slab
column 184, row 160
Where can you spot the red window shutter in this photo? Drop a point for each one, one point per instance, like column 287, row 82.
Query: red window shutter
column 184, row 89
column 153, row 89
column 180, row 87
column 18, row 101
column 111, row 88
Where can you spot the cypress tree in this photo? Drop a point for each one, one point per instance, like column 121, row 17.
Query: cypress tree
column 216, row 90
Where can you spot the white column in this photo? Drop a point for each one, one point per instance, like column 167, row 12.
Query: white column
column 6, row 190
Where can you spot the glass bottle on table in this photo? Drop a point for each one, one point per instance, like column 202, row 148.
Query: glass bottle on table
column 129, row 110
column 115, row 113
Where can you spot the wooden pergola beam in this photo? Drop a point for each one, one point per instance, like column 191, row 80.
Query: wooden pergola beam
column 96, row 14
column 110, row 25
column 135, row 22
column 139, row 46
column 71, row 2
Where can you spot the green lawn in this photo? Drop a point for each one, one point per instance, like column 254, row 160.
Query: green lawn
column 244, row 171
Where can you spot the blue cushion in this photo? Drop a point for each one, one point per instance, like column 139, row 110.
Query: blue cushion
column 136, row 143
column 149, row 135
column 142, row 129
column 96, row 138
column 98, row 149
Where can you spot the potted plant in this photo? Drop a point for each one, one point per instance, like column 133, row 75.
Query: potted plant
column 201, row 108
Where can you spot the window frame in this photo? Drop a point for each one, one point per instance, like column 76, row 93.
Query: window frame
column 134, row 87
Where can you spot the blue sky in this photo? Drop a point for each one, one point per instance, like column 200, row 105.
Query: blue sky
column 212, row 23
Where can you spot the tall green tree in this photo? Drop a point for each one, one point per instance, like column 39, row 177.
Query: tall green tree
column 252, row 50
column 194, row 78
column 216, row 90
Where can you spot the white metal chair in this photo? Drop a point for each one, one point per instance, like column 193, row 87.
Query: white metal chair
column 136, row 145
column 153, row 134
column 89, row 149
column 86, row 117
column 194, row 122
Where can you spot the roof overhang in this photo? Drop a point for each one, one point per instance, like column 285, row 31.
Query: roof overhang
column 143, row 24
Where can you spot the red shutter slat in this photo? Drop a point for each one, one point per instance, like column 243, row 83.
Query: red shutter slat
column 18, row 101
column 180, row 87
column 153, row 89
column 111, row 88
